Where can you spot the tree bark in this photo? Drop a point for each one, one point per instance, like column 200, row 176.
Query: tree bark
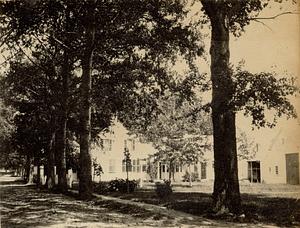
column 85, row 180
column 62, row 130
column 28, row 168
column 190, row 176
column 171, row 170
column 38, row 175
column 50, row 182
column 226, row 195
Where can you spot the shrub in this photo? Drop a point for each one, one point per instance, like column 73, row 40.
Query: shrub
column 102, row 187
column 120, row 185
column 163, row 190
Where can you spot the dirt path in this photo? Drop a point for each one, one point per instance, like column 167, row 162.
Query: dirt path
column 24, row 206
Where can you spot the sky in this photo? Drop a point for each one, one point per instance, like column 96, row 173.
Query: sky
column 272, row 46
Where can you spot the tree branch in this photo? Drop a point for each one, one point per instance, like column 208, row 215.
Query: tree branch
column 60, row 42
column 258, row 21
column 29, row 58
column 45, row 48
column 272, row 17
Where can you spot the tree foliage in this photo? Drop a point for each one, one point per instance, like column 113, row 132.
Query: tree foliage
column 256, row 93
column 246, row 147
column 135, row 45
column 239, row 14
column 128, row 50
column 6, row 120
column 178, row 132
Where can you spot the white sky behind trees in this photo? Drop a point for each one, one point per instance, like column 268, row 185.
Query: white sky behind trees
column 274, row 46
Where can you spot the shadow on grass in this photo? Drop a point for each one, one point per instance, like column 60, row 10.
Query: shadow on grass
column 27, row 206
column 14, row 182
column 257, row 208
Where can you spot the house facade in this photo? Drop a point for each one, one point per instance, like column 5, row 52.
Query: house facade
column 109, row 153
column 274, row 162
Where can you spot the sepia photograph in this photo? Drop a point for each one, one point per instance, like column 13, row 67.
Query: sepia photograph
column 149, row 113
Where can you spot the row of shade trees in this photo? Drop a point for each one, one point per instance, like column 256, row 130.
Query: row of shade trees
column 60, row 50
column 74, row 65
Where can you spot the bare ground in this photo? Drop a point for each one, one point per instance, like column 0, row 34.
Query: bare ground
column 25, row 206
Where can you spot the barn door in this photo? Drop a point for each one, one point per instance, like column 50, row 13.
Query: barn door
column 292, row 168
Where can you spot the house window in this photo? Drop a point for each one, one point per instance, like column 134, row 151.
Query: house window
column 133, row 165
column 203, row 170
column 129, row 168
column 144, row 168
column 138, row 167
column 107, row 144
column 130, row 144
column 112, row 167
column 276, row 170
column 124, row 167
column 178, row 168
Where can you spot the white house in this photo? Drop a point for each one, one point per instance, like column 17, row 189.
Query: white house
column 276, row 160
column 109, row 152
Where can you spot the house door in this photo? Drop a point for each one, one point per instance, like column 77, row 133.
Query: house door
column 254, row 171
column 292, row 168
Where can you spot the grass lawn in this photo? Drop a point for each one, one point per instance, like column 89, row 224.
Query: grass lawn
column 23, row 206
column 257, row 208
column 26, row 206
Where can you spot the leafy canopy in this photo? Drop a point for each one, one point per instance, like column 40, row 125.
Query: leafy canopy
column 176, row 130
column 256, row 93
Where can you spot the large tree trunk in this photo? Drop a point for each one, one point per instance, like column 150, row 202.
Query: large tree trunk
column 85, row 179
column 38, row 175
column 61, row 156
column 190, row 175
column 170, row 170
column 28, row 168
column 62, row 130
column 226, row 195
column 50, row 182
